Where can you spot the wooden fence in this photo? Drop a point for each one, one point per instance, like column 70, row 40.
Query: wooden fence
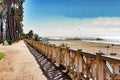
column 81, row 65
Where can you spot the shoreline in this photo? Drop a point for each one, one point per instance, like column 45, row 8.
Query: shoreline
column 104, row 42
column 94, row 41
column 91, row 47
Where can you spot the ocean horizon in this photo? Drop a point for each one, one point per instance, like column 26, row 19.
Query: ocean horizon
column 109, row 40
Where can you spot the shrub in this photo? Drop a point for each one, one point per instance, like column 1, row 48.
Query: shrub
column 1, row 55
column 63, row 45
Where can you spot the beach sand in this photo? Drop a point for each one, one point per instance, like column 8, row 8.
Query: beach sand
column 19, row 64
column 91, row 47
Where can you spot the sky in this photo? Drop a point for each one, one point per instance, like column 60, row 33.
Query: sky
column 73, row 18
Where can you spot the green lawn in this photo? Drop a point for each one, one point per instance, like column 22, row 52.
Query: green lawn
column 1, row 55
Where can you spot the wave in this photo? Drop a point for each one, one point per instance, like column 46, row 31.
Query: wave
column 107, row 41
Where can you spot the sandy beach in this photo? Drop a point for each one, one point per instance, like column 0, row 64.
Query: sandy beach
column 91, row 47
column 19, row 63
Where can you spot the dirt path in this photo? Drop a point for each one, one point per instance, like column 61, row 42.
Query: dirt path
column 19, row 64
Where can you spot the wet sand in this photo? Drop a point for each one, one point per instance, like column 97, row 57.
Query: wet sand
column 92, row 47
column 19, row 63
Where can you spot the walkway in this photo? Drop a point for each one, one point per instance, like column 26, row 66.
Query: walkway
column 19, row 64
column 51, row 71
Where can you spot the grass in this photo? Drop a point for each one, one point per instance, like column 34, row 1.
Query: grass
column 16, row 42
column 1, row 55
column 71, row 74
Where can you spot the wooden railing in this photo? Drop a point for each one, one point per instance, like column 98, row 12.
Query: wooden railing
column 81, row 65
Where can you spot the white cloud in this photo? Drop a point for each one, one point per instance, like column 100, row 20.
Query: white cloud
column 105, row 22
column 64, row 26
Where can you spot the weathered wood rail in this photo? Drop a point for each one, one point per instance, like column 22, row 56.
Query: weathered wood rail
column 81, row 65
column 47, row 66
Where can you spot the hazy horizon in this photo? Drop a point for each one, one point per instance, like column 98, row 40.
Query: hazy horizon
column 73, row 18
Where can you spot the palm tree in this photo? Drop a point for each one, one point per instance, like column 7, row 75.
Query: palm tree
column 1, row 21
column 36, row 37
column 18, row 17
column 14, row 19
column 30, row 34
column 8, row 27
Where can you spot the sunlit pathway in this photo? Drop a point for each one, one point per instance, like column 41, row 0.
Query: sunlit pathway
column 19, row 64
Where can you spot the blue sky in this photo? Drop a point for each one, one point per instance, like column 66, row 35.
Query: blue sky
column 71, row 17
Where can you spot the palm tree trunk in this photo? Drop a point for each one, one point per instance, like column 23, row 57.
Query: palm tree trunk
column 8, row 26
column 1, row 32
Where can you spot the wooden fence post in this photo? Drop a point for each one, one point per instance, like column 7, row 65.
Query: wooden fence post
column 67, row 55
column 115, row 70
column 99, row 71
column 58, row 57
column 79, row 63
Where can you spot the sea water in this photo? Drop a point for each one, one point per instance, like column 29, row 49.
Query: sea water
column 107, row 41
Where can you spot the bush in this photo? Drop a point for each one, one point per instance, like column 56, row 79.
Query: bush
column 1, row 55
column 99, row 39
column 63, row 45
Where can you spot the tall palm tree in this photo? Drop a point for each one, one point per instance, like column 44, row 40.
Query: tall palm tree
column 18, row 17
column 8, row 4
column 1, row 22
column 14, row 19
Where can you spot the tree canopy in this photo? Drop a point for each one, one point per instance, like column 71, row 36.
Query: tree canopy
column 12, row 16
